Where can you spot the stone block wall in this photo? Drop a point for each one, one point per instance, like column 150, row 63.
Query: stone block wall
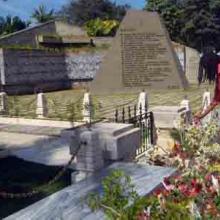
column 27, row 71
column 192, row 65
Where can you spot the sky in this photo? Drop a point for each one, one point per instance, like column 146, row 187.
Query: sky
column 24, row 8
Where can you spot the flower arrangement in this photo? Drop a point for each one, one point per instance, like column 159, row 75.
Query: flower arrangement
column 185, row 197
column 194, row 193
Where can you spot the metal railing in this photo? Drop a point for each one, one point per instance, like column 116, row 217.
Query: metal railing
column 144, row 121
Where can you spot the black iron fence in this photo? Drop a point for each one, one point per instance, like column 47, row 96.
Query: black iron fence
column 139, row 117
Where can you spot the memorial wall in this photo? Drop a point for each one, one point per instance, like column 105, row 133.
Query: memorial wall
column 144, row 58
column 141, row 56
column 27, row 71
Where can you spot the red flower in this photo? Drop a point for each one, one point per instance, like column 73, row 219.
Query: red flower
column 208, row 177
column 183, row 188
column 176, row 147
column 157, row 192
column 193, row 182
column 194, row 192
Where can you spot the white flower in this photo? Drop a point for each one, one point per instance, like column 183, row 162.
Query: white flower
column 194, row 210
column 215, row 184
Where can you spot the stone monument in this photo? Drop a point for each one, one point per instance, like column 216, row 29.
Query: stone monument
column 141, row 56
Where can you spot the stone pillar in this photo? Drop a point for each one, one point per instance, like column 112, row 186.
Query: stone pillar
column 89, row 159
column 3, row 102
column 143, row 102
column 187, row 112
column 87, row 107
column 206, row 101
column 42, row 110
column 90, row 156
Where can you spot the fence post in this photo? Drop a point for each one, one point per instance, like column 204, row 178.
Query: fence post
column 140, row 113
column 116, row 115
column 152, row 128
column 129, row 114
column 206, row 101
column 42, row 110
column 188, row 113
column 3, row 103
column 87, row 107
column 143, row 102
column 135, row 113
column 123, row 115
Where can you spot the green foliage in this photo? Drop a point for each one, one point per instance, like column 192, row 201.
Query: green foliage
column 41, row 14
column 173, row 211
column 195, row 23
column 70, row 112
column 15, row 106
column 98, row 27
column 217, row 202
column 118, row 193
column 171, row 13
column 81, row 11
column 11, row 24
column 155, row 5
column 120, row 201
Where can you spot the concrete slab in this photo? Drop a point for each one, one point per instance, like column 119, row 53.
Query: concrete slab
column 69, row 203
column 38, row 122
column 166, row 116
column 118, row 141
column 36, row 148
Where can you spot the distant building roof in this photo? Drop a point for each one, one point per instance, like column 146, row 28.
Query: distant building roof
column 27, row 29
column 55, row 28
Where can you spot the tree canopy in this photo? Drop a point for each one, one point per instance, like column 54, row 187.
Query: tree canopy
column 11, row 24
column 41, row 14
column 195, row 23
column 81, row 11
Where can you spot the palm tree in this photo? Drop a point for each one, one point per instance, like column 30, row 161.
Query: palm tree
column 11, row 24
column 41, row 15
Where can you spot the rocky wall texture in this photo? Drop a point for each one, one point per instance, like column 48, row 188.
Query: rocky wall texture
column 25, row 71
column 83, row 66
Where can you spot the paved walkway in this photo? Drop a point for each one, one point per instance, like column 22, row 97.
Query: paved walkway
column 30, row 129
column 35, row 143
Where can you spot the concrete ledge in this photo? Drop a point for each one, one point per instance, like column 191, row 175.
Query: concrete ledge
column 166, row 116
column 39, row 122
column 118, row 141
column 70, row 203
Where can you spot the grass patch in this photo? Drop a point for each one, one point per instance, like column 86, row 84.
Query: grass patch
column 19, row 176
column 67, row 105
